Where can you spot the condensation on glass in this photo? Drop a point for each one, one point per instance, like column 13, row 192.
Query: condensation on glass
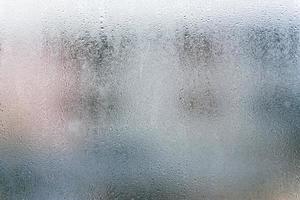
column 106, row 100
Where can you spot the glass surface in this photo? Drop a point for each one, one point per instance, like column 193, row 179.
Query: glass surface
column 149, row 100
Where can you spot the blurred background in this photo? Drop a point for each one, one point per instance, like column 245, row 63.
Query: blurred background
column 106, row 100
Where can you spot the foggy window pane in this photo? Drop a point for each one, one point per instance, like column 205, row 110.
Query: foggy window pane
column 156, row 100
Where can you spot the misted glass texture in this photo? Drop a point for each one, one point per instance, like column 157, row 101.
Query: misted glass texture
column 149, row 100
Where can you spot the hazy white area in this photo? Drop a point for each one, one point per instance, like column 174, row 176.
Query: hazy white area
column 149, row 99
